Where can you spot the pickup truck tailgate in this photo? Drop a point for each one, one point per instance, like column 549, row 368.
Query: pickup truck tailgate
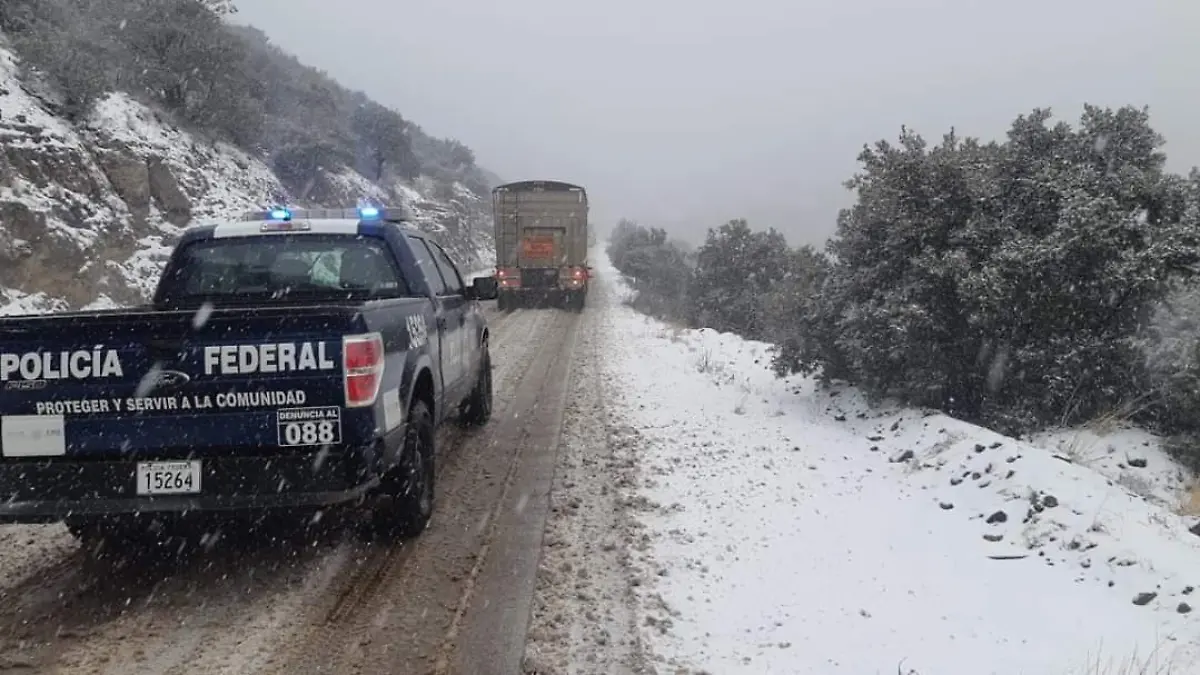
column 177, row 385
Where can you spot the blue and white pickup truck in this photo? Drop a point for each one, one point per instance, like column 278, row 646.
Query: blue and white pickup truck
column 290, row 361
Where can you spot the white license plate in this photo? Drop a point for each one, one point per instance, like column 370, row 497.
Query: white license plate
column 168, row 478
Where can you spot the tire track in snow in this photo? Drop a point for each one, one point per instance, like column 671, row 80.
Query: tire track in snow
column 400, row 626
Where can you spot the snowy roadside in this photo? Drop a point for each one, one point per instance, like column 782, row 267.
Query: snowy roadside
column 583, row 619
column 793, row 531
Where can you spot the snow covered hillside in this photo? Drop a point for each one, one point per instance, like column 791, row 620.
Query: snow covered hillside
column 88, row 211
column 776, row 528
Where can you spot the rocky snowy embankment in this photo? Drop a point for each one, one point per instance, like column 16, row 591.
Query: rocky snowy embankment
column 89, row 211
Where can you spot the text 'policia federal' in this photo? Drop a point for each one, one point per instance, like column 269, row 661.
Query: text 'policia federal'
column 280, row 357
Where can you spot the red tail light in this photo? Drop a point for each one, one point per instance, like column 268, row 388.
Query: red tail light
column 509, row 277
column 362, row 363
column 580, row 273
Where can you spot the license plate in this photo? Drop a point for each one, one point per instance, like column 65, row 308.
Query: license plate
column 168, row 478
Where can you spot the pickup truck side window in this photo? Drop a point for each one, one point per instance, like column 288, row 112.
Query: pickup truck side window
column 427, row 265
column 454, row 281
column 302, row 266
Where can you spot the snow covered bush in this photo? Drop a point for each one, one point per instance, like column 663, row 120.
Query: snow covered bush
column 1003, row 282
column 1016, row 283
column 789, row 297
column 659, row 270
column 736, row 271
column 1170, row 343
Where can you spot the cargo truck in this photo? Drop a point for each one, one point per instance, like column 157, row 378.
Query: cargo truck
column 541, row 244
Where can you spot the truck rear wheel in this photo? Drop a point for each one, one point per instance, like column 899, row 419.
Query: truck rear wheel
column 404, row 501
column 506, row 302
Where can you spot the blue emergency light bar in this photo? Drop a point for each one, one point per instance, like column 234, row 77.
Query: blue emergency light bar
column 362, row 213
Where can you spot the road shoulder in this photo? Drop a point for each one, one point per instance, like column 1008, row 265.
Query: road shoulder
column 583, row 619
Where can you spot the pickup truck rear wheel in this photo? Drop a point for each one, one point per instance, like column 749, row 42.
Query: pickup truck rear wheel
column 404, row 502
column 477, row 409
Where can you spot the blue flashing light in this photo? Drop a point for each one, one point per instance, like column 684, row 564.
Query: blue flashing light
column 368, row 212
column 280, row 214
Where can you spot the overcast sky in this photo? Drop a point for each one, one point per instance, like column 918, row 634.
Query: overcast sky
column 685, row 113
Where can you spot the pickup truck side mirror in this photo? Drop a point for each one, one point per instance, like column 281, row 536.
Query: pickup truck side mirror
column 484, row 288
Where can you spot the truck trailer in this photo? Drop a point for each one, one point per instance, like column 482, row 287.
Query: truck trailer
column 541, row 244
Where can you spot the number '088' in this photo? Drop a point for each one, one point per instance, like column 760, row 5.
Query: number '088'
column 308, row 433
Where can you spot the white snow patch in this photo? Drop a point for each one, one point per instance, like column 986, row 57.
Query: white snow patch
column 102, row 302
column 410, row 195
column 787, row 535
column 23, row 119
column 15, row 302
column 349, row 181
column 221, row 181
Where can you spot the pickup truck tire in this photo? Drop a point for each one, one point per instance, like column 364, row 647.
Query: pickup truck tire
column 404, row 502
column 477, row 409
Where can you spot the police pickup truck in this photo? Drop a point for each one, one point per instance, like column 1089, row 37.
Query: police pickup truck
column 289, row 361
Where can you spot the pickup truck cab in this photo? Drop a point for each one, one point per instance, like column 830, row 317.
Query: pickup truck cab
column 290, row 361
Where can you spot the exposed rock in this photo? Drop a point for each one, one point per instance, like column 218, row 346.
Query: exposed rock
column 53, row 166
column 165, row 190
column 130, row 178
column 22, row 223
column 1144, row 598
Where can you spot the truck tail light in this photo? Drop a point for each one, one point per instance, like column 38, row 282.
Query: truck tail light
column 362, row 363
column 509, row 277
column 579, row 273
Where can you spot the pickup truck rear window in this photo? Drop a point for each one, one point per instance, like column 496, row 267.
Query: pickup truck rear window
column 296, row 267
